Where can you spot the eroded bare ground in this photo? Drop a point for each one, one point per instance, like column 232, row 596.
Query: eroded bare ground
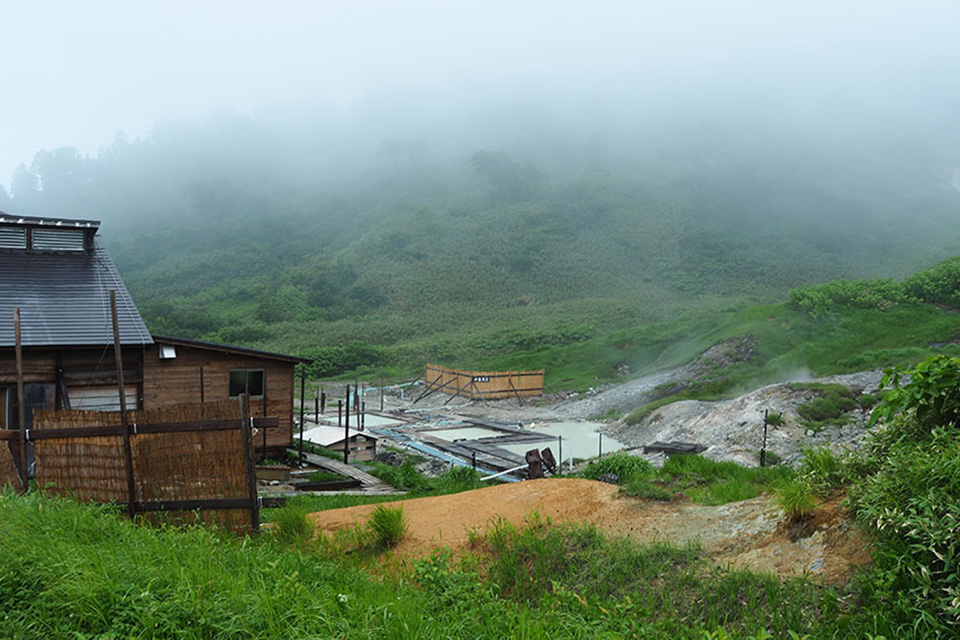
column 749, row 534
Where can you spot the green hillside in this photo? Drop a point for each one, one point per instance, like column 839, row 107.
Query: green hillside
column 368, row 250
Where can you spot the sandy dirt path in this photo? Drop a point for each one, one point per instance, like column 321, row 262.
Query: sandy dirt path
column 747, row 534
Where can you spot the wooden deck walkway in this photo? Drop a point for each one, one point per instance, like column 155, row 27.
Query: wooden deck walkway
column 369, row 483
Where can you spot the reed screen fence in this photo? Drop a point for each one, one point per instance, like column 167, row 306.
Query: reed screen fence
column 187, row 462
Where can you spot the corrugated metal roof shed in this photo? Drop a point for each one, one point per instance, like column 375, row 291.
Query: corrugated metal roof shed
column 64, row 296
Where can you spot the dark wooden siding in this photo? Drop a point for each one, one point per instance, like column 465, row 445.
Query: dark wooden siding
column 204, row 374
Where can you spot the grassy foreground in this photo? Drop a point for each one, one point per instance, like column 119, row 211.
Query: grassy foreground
column 69, row 570
column 78, row 571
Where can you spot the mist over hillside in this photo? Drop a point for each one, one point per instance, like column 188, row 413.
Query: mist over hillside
column 388, row 225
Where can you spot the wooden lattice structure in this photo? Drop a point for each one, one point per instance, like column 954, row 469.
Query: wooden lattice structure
column 183, row 459
column 483, row 385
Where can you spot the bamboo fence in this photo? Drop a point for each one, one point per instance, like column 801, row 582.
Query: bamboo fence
column 8, row 469
column 189, row 462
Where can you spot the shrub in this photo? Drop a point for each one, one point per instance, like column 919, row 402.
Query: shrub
column 292, row 526
column 795, row 498
column 939, row 284
column 866, row 294
column 909, row 497
column 388, row 525
column 459, row 478
column 832, row 405
column 775, row 419
column 928, row 392
column 625, row 466
column 337, row 360
column 822, row 469
column 648, row 490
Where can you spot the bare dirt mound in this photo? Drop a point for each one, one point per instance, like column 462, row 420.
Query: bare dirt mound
column 747, row 534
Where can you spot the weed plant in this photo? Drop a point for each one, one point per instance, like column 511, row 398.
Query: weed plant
column 388, row 525
column 832, row 406
column 795, row 498
column 324, row 476
column 823, row 469
column 640, row 589
column 905, row 489
column 621, row 464
column 292, row 527
column 710, row 482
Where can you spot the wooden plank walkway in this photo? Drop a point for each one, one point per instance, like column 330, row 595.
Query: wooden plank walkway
column 370, row 484
column 488, row 455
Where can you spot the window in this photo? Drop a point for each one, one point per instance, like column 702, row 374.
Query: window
column 249, row 381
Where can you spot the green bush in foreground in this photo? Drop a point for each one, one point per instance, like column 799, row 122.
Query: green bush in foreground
column 77, row 571
column 388, row 525
column 907, row 493
column 625, row 466
column 795, row 498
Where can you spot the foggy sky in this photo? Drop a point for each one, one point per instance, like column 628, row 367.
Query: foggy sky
column 76, row 73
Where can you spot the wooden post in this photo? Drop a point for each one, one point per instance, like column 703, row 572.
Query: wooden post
column 264, row 414
column 381, row 393
column 127, row 449
column 560, row 451
column 21, row 412
column 763, row 449
column 346, row 430
column 515, row 392
column 303, row 386
column 246, row 429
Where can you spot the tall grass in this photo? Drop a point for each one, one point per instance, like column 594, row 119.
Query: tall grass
column 636, row 589
column 706, row 481
column 388, row 525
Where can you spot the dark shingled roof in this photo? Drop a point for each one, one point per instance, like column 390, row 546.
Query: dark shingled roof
column 231, row 349
column 64, row 298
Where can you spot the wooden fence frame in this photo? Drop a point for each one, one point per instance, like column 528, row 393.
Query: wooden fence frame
column 483, row 385
column 133, row 506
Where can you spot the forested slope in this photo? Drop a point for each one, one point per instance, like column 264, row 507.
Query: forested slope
column 294, row 234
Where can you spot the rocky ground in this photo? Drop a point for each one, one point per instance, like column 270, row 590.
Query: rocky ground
column 729, row 429
column 749, row 534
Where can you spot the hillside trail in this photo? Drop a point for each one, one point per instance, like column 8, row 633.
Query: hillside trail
column 750, row 534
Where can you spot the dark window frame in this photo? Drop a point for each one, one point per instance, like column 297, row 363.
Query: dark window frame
column 249, row 382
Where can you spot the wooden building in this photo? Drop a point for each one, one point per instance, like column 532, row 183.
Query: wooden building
column 62, row 286
column 177, row 371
